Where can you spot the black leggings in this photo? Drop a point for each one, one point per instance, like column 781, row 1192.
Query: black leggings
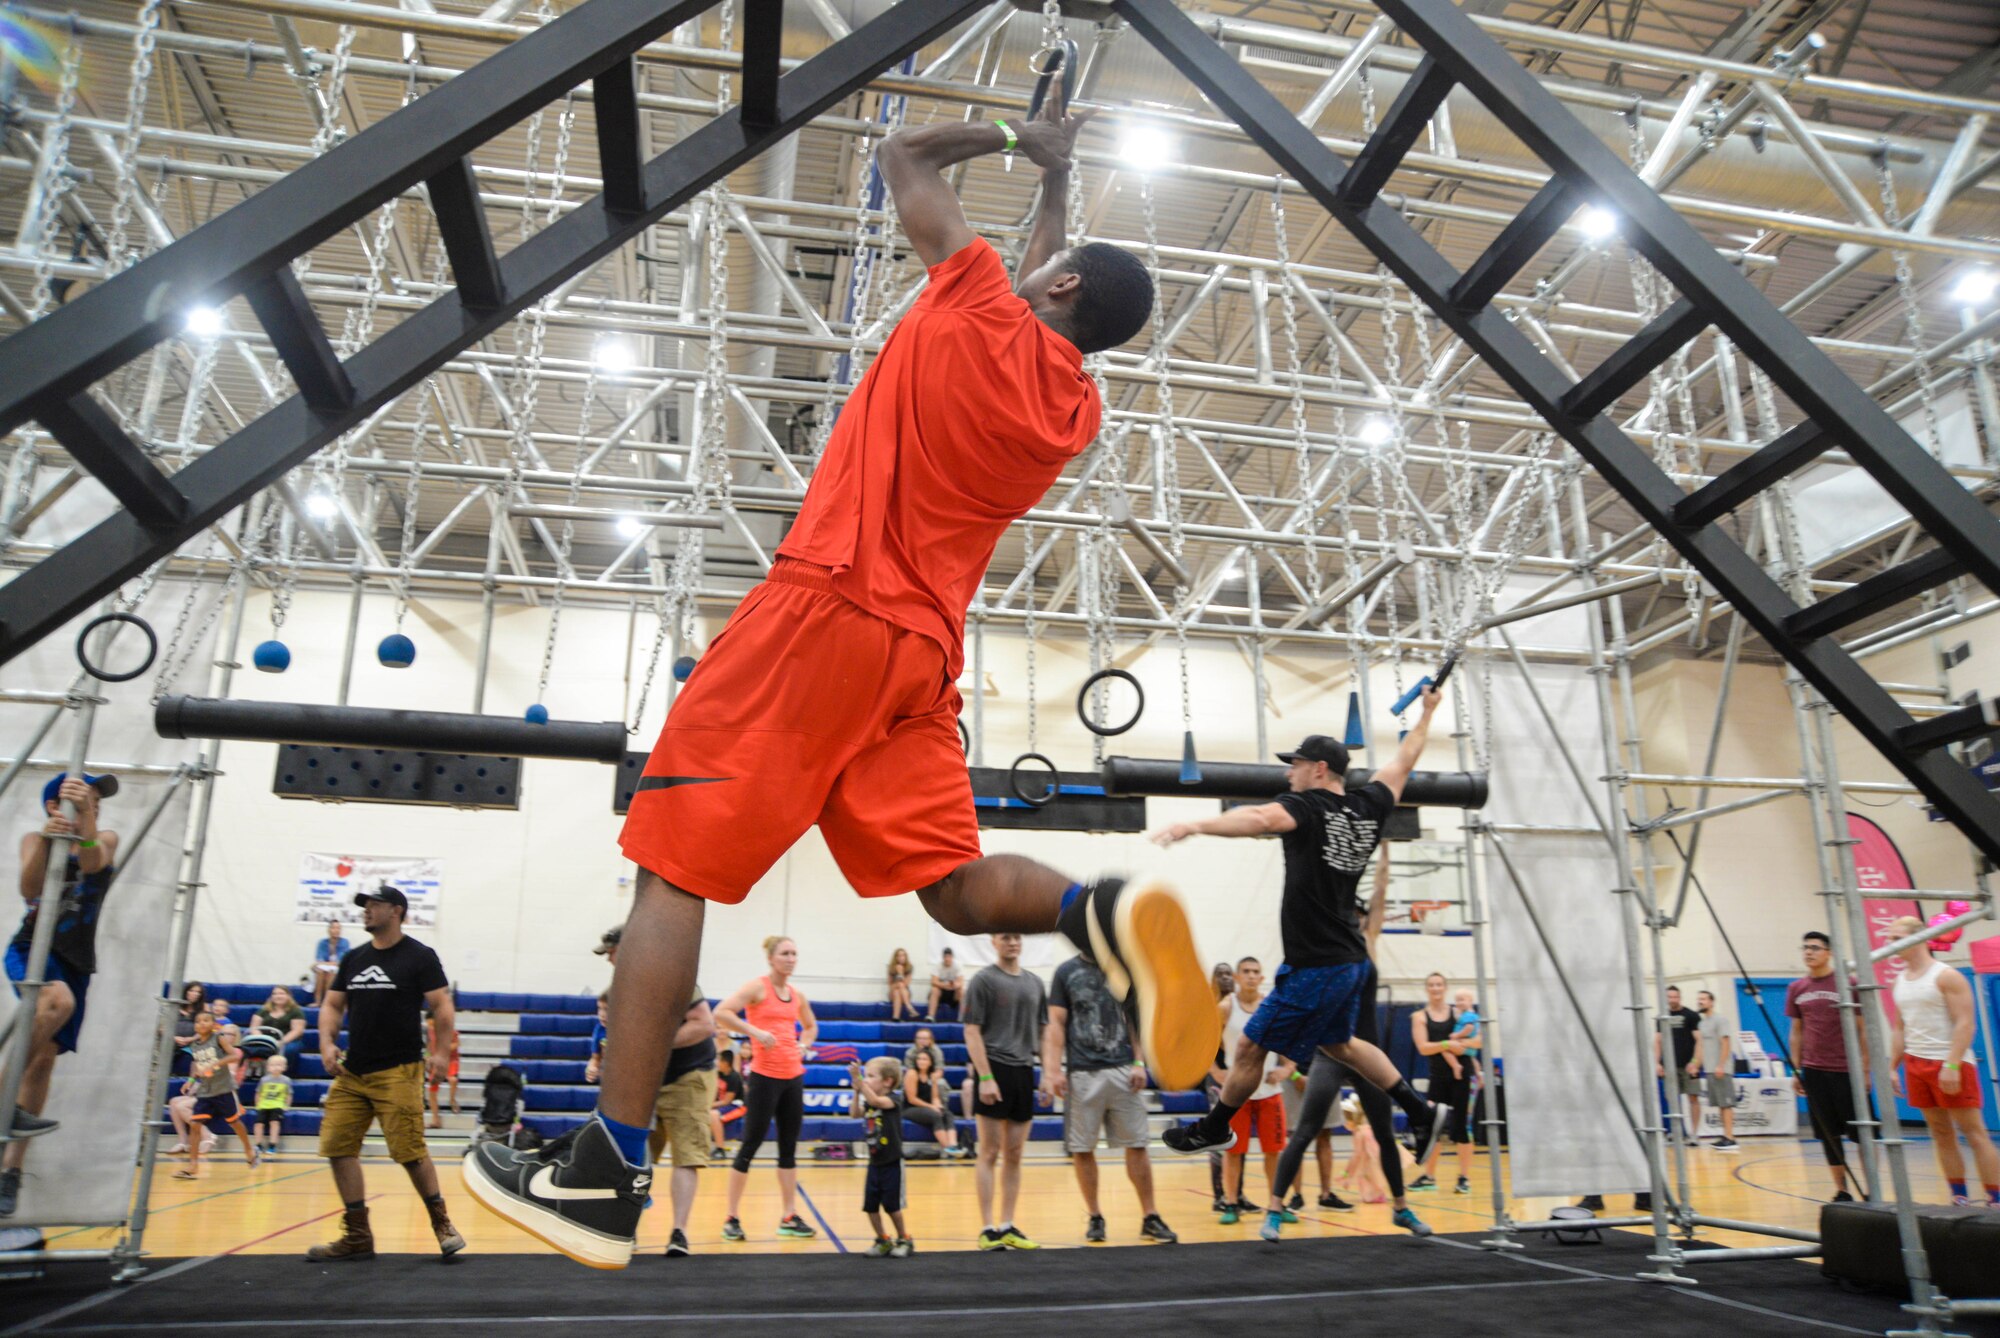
column 1830, row 1104
column 1323, row 1084
column 783, row 1099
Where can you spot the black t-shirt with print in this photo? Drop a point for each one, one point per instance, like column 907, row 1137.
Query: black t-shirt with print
column 1325, row 856
column 385, row 989
column 1687, row 1030
column 885, row 1131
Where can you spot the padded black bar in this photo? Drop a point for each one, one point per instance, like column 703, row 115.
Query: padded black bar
column 372, row 727
column 1668, row 333
column 467, row 240
column 1734, row 486
column 1407, row 117
column 1516, row 245
column 95, row 441
column 1967, row 722
column 763, row 42
column 1254, row 780
column 286, row 315
column 1881, row 591
column 615, row 94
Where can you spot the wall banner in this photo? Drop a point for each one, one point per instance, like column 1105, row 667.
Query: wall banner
column 327, row 884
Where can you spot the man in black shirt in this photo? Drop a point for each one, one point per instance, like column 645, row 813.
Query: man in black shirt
column 381, row 991
column 1684, row 1079
column 680, row 1111
column 1328, row 837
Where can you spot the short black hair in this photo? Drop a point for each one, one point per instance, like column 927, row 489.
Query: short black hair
column 1117, row 296
column 1241, row 962
column 1814, row 936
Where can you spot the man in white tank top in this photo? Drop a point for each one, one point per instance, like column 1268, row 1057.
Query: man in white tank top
column 1264, row 1112
column 1931, row 1038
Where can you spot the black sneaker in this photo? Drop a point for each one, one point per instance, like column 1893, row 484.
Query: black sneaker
column 32, row 1126
column 1841, row 1197
column 795, row 1228
column 1138, row 934
column 576, row 1193
column 1642, row 1203
column 677, row 1244
column 1333, row 1203
column 733, row 1230
column 1219, row 1205
column 1094, row 1233
column 1594, row 1202
column 1421, row 1183
column 1155, row 1228
column 1191, row 1137
column 1464, row 1186
column 1423, row 1139
column 1296, row 1202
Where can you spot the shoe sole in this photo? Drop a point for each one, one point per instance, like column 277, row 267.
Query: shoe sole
column 1420, row 1229
column 590, row 1248
column 451, row 1247
column 1179, row 1031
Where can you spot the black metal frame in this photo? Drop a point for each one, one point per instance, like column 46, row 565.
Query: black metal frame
column 1840, row 414
column 47, row 369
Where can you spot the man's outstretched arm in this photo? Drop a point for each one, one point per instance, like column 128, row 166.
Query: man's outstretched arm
column 1396, row 774
column 913, row 164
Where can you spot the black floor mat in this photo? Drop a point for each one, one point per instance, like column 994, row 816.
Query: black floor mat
column 1300, row 1287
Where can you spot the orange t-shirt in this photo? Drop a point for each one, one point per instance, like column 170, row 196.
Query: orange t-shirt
column 780, row 1017
column 962, row 424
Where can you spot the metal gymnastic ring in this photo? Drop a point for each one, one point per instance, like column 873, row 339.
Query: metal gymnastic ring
column 1061, row 58
column 83, row 656
column 1034, row 800
column 1083, row 699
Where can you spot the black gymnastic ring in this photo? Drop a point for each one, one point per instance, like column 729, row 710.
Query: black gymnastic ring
column 1014, row 781
column 1083, row 699
column 1070, row 58
column 83, row 656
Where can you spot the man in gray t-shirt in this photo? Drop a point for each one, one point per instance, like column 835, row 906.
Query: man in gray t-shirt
column 1712, row 1041
column 1005, row 1010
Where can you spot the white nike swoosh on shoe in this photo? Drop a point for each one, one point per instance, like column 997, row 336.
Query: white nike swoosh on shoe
column 543, row 1186
column 1115, row 975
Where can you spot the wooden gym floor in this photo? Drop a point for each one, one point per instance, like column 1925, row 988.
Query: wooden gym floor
column 288, row 1203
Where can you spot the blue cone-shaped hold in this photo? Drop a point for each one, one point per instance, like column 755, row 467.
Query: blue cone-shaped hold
column 538, row 714
column 683, row 667
column 272, row 657
column 1190, row 769
column 396, row 651
column 1355, row 737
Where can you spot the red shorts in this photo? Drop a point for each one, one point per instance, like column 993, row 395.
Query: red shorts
column 1267, row 1116
column 1920, row 1080
column 807, row 709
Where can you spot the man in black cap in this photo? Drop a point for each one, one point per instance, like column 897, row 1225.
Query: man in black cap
column 89, row 856
column 381, row 991
column 1328, row 837
column 607, row 946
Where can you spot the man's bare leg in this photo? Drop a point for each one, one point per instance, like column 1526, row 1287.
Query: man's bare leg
column 650, row 987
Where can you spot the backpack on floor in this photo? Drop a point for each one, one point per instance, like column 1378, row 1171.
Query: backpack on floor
column 503, row 1103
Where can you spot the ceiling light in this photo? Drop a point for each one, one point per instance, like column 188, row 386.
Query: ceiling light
column 321, row 505
column 1597, row 223
column 1145, row 148
column 1375, row 430
column 1976, row 287
column 629, row 527
column 204, row 322
column 615, row 357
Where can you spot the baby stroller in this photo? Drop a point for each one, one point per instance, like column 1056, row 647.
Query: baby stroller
column 500, row 1112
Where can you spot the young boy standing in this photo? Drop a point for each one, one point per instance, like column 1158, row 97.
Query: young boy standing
column 212, row 1055
column 878, row 1099
column 274, row 1098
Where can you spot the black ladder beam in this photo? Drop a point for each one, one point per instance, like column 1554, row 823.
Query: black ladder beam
column 1692, row 265
column 1516, row 245
column 1967, row 722
column 1634, row 360
column 286, row 315
column 1884, row 590
column 74, row 577
column 763, row 43
column 468, row 242
column 620, row 153
column 1393, row 139
column 1742, row 481
column 94, row 440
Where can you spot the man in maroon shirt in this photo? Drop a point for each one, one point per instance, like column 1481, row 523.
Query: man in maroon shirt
column 1812, row 1002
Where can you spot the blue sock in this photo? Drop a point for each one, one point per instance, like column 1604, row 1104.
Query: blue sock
column 1957, row 1188
column 630, row 1138
column 1072, row 920
column 1074, row 891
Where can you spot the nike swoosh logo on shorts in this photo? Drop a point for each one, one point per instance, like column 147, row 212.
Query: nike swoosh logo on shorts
column 543, row 1186
column 669, row 782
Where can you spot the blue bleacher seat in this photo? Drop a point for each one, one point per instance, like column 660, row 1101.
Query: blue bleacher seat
column 557, row 1024
column 477, row 1001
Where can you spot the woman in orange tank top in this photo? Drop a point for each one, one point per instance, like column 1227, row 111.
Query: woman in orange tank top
column 779, row 1021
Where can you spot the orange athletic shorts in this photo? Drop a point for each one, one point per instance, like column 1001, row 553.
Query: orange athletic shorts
column 1920, row 1080
column 807, row 709
column 1264, row 1115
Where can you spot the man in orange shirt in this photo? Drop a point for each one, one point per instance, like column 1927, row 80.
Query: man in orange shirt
column 828, row 698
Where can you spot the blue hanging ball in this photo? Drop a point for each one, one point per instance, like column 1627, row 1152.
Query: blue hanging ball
column 272, row 657
column 683, row 667
column 538, row 714
column 396, row 651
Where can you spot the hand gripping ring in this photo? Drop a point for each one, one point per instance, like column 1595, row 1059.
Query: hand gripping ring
column 1033, row 800
column 1083, row 701
column 104, row 676
column 1060, row 58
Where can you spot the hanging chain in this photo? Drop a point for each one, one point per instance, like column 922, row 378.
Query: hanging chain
column 1030, row 626
column 56, row 183
column 1166, row 446
column 1295, row 365
column 117, row 248
column 1913, row 310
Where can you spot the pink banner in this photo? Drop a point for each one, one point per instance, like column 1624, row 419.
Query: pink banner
column 1878, row 868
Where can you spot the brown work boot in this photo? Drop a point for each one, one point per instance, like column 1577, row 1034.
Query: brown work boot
column 356, row 1240
column 449, row 1241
